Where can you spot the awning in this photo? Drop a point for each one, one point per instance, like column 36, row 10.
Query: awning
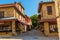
column 7, row 19
column 22, row 22
column 12, row 19
column 48, row 20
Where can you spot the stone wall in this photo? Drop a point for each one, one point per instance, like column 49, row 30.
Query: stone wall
column 46, row 30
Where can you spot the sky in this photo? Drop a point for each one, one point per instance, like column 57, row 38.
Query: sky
column 31, row 6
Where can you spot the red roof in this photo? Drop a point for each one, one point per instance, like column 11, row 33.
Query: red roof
column 12, row 4
column 27, row 19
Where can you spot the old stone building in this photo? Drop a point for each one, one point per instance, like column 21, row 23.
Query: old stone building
column 12, row 19
column 47, row 22
column 57, row 7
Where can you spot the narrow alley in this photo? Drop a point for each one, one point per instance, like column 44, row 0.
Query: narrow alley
column 31, row 35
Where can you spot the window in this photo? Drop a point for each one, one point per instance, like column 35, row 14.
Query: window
column 49, row 10
column 53, row 28
column 1, row 14
column 20, row 17
column 20, row 8
column 4, row 28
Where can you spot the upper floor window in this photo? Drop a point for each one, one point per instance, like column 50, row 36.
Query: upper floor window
column 1, row 14
column 49, row 10
column 22, row 10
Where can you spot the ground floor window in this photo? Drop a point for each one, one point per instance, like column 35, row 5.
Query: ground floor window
column 4, row 28
column 53, row 27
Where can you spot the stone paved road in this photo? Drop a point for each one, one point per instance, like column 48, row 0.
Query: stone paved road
column 31, row 35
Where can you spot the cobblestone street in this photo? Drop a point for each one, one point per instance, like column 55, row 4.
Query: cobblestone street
column 31, row 35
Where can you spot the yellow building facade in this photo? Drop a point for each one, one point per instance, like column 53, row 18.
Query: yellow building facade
column 12, row 19
column 47, row 19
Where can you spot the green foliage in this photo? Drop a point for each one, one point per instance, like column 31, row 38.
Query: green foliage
column 34, row 20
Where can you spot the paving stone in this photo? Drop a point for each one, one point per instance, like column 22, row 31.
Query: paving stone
column 31, row 35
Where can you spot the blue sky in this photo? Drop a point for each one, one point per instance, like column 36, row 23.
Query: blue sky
column 31, row 6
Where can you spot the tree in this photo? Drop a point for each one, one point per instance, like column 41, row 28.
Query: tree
column 34, row 20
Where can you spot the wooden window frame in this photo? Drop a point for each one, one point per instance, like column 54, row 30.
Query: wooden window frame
column 49, row 10
column 54, row 24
